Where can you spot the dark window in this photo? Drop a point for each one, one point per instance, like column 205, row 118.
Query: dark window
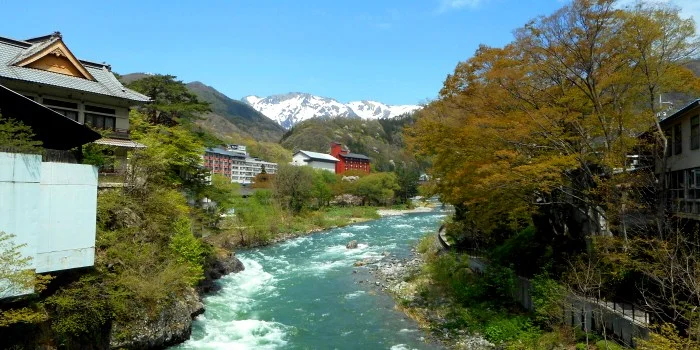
column 695, row 132
column 63, row 107
column 100, row 110
column 57, row 103
column 677, row 139
column 70, row 114
column 99, row 121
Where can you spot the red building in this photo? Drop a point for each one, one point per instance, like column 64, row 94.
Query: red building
column 347, row 160
column 221, row 161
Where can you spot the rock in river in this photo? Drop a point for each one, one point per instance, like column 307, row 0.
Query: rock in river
column 351, row 245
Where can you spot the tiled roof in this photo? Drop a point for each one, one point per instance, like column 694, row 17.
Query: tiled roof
column 319, row 156
column 120, row 143
column 355, row 156
column 12, row 51
column 224, row 152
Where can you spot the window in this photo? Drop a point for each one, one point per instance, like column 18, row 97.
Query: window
column 677, row 139
column 68, row 109
column 99, row 121
column 695, row 132
column 100, row 117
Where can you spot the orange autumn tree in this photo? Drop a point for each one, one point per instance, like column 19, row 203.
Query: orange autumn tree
column 545, row 123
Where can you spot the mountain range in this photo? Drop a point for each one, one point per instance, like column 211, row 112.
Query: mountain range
column 291, row 108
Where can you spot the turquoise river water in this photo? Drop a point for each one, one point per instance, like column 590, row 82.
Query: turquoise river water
column 303, row 293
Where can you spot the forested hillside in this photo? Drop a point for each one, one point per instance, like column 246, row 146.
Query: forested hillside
column 226, row 117
column 381, row 140
column 243, row 116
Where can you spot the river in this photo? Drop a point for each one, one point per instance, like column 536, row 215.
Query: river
column 305, row 293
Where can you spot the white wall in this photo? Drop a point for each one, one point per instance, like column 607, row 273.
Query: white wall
column 688, row 158
column 323, row 165
column 51, row 209
column 299, row 159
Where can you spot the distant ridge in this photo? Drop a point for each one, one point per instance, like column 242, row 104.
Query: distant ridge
column 294, row 107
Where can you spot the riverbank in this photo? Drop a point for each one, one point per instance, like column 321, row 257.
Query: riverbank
column 303, row 293
column 403, row 280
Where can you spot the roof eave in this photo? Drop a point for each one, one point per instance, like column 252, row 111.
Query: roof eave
column 680, row 112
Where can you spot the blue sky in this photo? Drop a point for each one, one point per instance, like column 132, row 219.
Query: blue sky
column 393, row 51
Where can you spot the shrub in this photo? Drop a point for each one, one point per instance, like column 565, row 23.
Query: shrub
column 548, row 299
column 79, row 311
column 189, row 249
column 608, row 345
column 426, row 244
column 501, row 330
column 499, row 282
column 666, row 337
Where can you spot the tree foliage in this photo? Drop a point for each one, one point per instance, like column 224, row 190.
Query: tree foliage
column 293, row 187
column 376, row 188
column 538, row 132
column 171, row 102
column 17, row 137
column 546, row 119
column 17, row 278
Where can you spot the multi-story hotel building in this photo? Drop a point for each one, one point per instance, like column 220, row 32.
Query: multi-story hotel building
column 235, row 163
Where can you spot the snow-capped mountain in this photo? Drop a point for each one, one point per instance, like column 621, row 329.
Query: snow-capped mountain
column 289, row 109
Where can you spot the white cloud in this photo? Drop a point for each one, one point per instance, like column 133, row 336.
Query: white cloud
column 448, row 5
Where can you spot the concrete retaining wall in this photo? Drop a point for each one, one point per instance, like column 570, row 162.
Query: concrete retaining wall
column 51, row 210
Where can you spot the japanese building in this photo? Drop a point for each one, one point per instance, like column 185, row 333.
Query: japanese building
column 44, row 70
column 349, row 161
column 682, row 172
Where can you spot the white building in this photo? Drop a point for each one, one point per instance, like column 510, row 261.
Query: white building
column 315, row 160
column 245, row 171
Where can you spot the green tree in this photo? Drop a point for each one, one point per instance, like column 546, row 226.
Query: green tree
column 172, row 157
column 17, row 278
column 17, row 137
column 322, row 182
column 376, row 188
column 171, row 102
column 293, row 187
column 224, row 194
column 407, row 179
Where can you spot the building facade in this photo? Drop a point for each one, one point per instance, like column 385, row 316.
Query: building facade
column 235, row 163
column 315, row 160
column 45, row 71
column 682, row 168
column 349, row 161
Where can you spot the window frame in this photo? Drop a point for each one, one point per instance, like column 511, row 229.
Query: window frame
column 90, row 114
column 62, row 109
column 695, row 132
column 677, row 139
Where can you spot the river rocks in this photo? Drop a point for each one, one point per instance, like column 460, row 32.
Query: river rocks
column 391, row 275
column 216, row 268
column 351, row 245
column 172, row 325
column 347, row 199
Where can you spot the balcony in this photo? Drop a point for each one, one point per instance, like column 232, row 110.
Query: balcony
column 122, row 134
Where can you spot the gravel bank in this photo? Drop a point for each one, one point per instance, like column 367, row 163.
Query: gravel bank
column 396, row 277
